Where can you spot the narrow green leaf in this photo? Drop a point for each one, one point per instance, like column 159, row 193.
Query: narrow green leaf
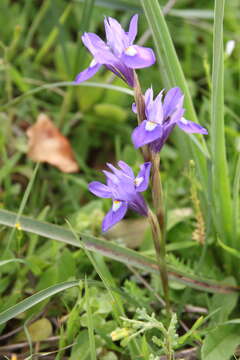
column 53, row 35
column 64, row 84
column 34, row 299
column 109, row 250
column 236, row 185
column 90, row 325
column 221, row 186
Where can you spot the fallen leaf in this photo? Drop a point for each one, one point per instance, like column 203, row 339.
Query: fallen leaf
column 47, row 144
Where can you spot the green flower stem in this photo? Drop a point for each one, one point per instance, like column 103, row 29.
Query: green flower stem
column 157, row 192
column 156, row 221
column 160, row 255
column 140, row 104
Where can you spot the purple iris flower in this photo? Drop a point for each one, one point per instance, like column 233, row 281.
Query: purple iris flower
column 161, row 117
column 118, row 54
column 123, row 188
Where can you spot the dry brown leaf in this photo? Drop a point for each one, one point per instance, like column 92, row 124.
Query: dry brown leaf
column 47, row 144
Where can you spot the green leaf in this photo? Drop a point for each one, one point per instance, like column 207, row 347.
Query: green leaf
column 90, row 324
column 38, row 331
column 34, row 299
column 225, row 304
column 66, row 266
column 221, row 343
column 236, row 185
column 221, row 186
column 109, row 250
column 111, row 111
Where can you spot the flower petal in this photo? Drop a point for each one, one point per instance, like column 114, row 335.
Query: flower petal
column 141, row 136
column 137, row 57
column 98, row 48
column 172, row 100
column 191, row 127
column 148, row 97
column 87, row 73
column 137, row 203
column 126, row 168
column 114, row 215
column 132, row 32
column 155, row 112
column 134, row 108
column 100, row 189
column 142, row 179
column 117, row 39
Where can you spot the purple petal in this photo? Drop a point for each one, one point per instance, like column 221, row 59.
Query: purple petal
column 148, row 97
column 87, row 73
column 122, row 71
column 142, row 179
column 157, row 145
column 132, row 32
column 176, row 116
column 126, row 168
column 134, row 108
column 98, row 48
column 137, row 57
column 112, row 177
column 100, row 189
column 171, row 100
column 141, row 136
column 116, row 171
column 155, row 112
column 138, row 204
column 117, row 39
column 191, row 127
column 114, row 215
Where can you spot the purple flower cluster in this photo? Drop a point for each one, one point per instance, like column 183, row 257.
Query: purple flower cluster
column 118, row 54
column 161, row 117
column 123, row 188
column 121, row 56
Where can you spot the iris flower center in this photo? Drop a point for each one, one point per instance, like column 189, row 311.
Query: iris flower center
column 138, row 181
column 93, row 63
column 130, row 51
column 150, row 125
column 116, row 205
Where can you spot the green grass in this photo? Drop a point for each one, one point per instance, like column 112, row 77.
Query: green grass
column 56, row 265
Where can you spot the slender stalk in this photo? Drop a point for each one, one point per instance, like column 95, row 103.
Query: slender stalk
column 140, row 104
column 157, row 192
column 160, row 255
column 156, row 221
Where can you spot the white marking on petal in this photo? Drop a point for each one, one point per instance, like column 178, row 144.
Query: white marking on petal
column 93, row 63
column 116, row 205
column 138, row 180
column 131, row 51
column 184, row 121
column 150, row 125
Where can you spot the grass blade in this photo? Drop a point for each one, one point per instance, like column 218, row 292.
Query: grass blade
column 35, row 299
column 236, row 186
column 221, row 186
column 90, row 324
column 64, row 84
column 109, row 250
column 53, row 35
